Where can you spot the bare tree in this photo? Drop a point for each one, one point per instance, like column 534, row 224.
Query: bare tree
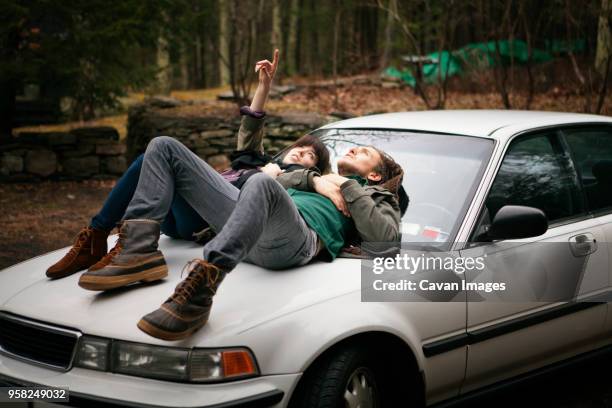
column 433, row 95
column 592, row 78
column 291, row 50
column 223, row 49
column 392, row 9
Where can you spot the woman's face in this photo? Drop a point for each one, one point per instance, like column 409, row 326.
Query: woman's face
column 304, row 156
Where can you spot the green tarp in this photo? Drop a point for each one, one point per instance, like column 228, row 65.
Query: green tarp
column 482, row 56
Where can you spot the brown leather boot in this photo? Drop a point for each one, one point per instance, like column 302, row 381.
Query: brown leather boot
column 88, row 248
column 189, row 306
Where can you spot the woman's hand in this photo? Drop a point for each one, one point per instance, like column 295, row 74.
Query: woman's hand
column 266, row 71
column 328, row 189
column 271, row 169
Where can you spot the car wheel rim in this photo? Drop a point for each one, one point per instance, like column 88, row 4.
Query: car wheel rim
column 360, row 391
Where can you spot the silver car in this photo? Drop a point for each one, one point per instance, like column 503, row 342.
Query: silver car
column 477, row 181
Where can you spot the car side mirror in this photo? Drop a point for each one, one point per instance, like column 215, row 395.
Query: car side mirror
column 517, row 221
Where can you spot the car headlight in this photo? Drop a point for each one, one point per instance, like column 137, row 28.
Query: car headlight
column 93, row 353
column 167, row 363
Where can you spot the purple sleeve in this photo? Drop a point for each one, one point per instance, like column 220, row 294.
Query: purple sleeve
column 246, row 110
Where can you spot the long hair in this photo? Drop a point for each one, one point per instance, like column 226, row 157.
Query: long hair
column 319, row 148
column 391, row 172
column 392, row 177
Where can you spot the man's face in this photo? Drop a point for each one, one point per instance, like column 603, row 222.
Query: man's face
column 304, row 155
column 360, row 161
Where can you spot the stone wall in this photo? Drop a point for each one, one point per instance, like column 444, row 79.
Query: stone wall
column 212, row 134
column 89, row 152
column 96, row 152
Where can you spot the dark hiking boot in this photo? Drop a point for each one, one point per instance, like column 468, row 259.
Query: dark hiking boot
column 135, row 258
column 88, row 248
column 189, row 306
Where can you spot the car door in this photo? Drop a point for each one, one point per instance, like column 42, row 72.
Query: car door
column 591, row 149
column 538, row 321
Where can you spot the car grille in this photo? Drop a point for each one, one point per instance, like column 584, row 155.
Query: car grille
column 36, row 342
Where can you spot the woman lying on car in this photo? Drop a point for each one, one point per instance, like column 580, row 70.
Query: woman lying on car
column 278, row 219
column 89, row 250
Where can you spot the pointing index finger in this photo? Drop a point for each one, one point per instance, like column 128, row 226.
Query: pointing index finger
column 275, row 60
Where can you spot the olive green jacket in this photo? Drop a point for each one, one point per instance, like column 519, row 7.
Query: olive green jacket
column 374, row 210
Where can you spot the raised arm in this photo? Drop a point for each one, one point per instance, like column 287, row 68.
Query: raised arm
column 250, row 135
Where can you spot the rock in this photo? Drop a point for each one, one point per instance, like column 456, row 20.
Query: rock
column 198, row 144
column 41, row 162
column 20, row 178
column 81, row 166
column 312, row 120
column 162, row 122
column 342, row 115
column 293, row 129
column 163, row 102
column 274, row 131
column 281, row 144
column 60, row 138
column 114, row 165
column 10, row 163
column 82, row 149
column 208, row 134
column 226, row 96
column 94, row 133
column 29, row 138
column 278, row 91
column 207, row 151
column 113, row 149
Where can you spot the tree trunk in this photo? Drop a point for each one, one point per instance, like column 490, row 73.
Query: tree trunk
column 7, row 108
column 386, row 55
column 184, row 65
column 291, row 50
column 224, row 54
column 604, row 38
column 163, row 65
column 276, row 37
column 199, row 68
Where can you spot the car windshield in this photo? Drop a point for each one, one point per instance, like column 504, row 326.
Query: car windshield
column 441, row 173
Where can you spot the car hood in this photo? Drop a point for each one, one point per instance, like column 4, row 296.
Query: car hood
column 248, row 297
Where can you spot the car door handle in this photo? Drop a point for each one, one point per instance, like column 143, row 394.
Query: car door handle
column 583, row 244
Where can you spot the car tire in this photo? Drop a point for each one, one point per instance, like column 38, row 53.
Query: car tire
column 350, row 377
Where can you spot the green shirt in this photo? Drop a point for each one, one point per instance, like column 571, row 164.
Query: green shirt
column 324, row 218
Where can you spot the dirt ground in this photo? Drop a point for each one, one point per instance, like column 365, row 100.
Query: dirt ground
column 39, row 218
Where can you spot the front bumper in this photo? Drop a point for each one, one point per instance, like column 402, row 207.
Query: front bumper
column 89, row 388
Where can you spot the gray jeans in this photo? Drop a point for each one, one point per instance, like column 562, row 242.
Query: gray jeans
column 259, row 224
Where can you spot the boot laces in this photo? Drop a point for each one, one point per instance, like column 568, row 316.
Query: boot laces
column 198, row 271
column 81, row 239
column 116, row 250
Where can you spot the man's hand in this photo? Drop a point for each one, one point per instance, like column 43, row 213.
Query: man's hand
column 328, row 189
column 335, row 179
column 267, row 70
column 271, row 169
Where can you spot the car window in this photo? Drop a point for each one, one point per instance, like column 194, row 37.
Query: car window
column 537, row 172
column 592, row 152
column 441, row 174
